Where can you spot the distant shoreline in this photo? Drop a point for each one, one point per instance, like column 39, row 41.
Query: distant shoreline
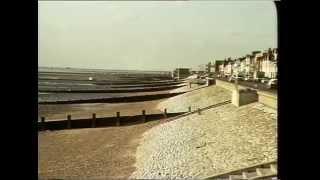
column 43, row 69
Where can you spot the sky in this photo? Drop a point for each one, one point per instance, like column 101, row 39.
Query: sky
column 154, row 35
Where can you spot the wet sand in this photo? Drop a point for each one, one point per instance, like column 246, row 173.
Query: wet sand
column 60, row 111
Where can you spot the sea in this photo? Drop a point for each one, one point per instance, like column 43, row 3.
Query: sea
column 52, row 79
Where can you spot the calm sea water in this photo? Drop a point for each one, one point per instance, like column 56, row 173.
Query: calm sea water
column 78, row 70
column 89, row 79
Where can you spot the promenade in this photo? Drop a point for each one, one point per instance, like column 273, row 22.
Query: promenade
column 254, row 85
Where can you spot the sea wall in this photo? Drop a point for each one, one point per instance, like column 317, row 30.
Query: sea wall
column 198, row 98
column 227, row 85
column 243, row 97
column 268, row 99
column 263, row 97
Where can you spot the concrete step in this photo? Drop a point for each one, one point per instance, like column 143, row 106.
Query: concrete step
column 265, row 177
column 222, row 178
column 264, row 174
column 274, row 168
column 263, row 171
column 247, row 175
column 266, row 171
column 235, row 177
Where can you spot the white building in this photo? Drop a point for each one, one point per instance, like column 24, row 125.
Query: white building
column 249, row 65
column 228, row 67
column 221, row 69
column 242, row 68
column 269, row 63
column 256, row 64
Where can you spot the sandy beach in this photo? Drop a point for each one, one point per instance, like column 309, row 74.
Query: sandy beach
column 90, row 153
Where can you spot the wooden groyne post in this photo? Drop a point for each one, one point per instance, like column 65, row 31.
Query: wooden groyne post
column 144, row 115
column 43, row 125
column 118, row 119
column 199, row 111
column 69, row 121
column 165, row 113
column 93, row 122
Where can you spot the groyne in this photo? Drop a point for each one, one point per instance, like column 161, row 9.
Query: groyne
column 94, row 122
column 110, row 90
column 116, row 99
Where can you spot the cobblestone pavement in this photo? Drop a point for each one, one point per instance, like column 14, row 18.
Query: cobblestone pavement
column 220, row 139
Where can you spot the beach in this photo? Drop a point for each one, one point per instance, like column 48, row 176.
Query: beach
column 107, row 153
column 194, row 146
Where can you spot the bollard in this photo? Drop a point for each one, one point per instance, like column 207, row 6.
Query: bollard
column 43, row 125
column 69, row 121
column 118, row 118
column 199, row 111
column 93, row 122
column 165, row 113
column 144, row 115
column 189, row 108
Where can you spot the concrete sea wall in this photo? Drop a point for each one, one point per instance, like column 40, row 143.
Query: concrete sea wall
column 266, row 98
column 225, row 85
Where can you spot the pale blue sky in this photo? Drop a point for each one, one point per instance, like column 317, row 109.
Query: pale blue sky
column 159, row 35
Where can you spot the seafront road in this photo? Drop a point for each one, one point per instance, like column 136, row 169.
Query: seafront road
column 255, row 85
